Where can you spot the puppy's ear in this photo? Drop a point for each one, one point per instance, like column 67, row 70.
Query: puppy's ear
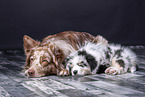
column 101, row 39
column 29, row 43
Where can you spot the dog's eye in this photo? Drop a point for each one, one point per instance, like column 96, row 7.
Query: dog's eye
column 67, row 59
column 32, row 59
column 44, row 61
column 85, row 64
column 82, row 61
column 80, row 64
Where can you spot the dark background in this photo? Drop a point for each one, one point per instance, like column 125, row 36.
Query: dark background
column 120, row 21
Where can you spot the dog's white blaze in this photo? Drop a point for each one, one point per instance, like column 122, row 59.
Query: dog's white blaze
column 38, row 55
column 80, row 70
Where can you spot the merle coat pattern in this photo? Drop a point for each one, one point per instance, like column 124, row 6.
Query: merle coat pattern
column 98, row 58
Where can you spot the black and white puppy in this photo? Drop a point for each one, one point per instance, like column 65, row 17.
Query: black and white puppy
column 101, row 57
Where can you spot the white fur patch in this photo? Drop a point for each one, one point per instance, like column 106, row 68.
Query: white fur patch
column 103, row 53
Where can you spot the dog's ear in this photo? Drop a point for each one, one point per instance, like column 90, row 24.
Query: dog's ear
column 29, row 43
column 56, row 56
column 101, row 39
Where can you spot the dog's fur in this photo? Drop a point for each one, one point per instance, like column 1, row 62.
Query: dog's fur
column 101, row 57
column 47, row 57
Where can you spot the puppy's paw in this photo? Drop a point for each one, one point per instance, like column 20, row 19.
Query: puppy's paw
column 63, row 72
column 112, row 70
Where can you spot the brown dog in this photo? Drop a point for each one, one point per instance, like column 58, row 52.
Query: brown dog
column 46, row 57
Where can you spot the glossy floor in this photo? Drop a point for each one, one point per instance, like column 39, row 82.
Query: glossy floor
column 14, row 83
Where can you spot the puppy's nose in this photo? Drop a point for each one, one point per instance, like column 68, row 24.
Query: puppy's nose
column 75, row 72
column 31, row 72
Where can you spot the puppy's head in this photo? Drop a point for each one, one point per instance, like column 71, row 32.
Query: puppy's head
column 41, row 60
column 77, row 65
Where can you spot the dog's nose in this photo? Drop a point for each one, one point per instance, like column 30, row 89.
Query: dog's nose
column 31, row 72
column 75, row 72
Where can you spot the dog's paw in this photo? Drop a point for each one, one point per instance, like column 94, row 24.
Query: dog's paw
column 63, row 72
column 112, row 70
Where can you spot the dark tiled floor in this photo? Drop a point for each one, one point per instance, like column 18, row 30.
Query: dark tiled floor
column 14, row 84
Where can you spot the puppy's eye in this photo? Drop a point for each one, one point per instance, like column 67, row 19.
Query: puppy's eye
column 85, row 64
column 82, row 61
column 67, row 59
column 80, row 64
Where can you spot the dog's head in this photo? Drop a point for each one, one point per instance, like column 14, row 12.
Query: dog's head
column 41, row 60
column 77, row 65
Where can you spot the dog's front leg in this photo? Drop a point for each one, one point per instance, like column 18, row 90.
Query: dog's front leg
column 63, row 72
column 115, row 68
